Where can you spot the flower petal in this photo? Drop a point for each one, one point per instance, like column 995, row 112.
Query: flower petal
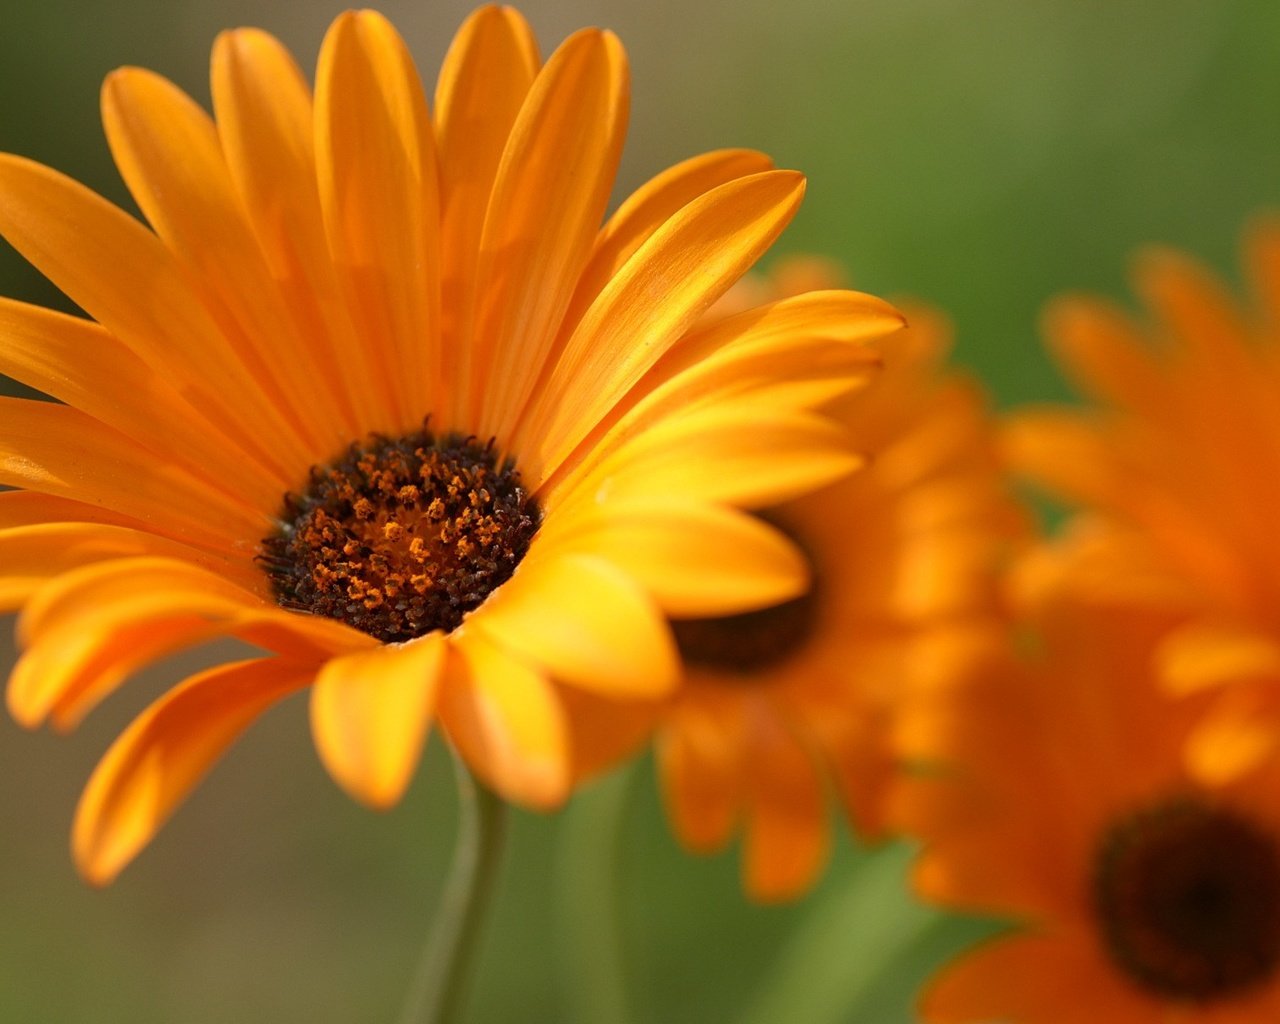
column 507, row 722
column 165, row 753
column 89, row 629
column 739, row 454
column 585, row 623
column 1210, row 654
column 266, row 128
column 378, row 186
column 369, row 715
column 125, row 278
column 696, row 560
column 483, row 83
column 787, row 836
column 652, row 205
column 34, row 554
column 169, row 154
column 700, row 765
column 548, row 198
column 670, row 281
column 61, row 451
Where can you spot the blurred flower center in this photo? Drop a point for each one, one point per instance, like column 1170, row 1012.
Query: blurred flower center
column 751, row 641
column 1188, row 896
column 401, row 537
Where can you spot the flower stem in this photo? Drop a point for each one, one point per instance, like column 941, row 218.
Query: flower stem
column 439, row 991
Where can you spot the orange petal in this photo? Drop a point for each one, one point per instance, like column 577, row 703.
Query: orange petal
column 483, row 83
column 700, row 764
column 266, row 129
column 787, row 839
column 548, row 198
column 34, row 554
column 60, row 451
column 169, row 155
column 585, row 623
column 1208, row 654
column 507, row 722
column 652, row 205
column 90, row 628
column 165, row 753
column 369, row 716
column 378, row 187
column 670, row 281
column 1105, row 353
column 69, row 358
column 105, row 260
column 696, row 560
column 735, row 454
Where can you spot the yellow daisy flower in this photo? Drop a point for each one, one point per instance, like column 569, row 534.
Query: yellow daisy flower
column 1058, row 797
column 378, row 393
column 1177, row 467
column 780, row 702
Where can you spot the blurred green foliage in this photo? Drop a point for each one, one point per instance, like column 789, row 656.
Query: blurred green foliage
column 979, row 154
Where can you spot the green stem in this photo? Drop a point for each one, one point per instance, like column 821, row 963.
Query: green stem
column 587, row 901
column 439, row 991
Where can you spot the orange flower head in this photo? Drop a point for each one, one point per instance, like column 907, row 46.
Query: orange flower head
column 1054, row 792
column 1177, row 472
column 781, row 702
column 382, row 392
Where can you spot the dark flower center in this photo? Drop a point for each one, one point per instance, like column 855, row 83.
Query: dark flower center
column 751, row 641
column 401, row 537
column 1188, row 897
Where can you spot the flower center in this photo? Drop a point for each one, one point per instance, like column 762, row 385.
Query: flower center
column 401, row 537
column 751, row 641
column 1188, row 897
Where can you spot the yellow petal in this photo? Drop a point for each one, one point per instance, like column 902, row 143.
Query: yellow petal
column 700, row 765
column 696, row 560
column 736, row 454
column 507, row 722
column 584, row 622
column 548, row 198
column 379, row 191
column 165, row 753
column 369, row 715
column 670, row 281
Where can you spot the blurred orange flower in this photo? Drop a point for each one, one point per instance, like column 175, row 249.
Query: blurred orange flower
column 380, row 395
column 780, row 702
column 1056, row 795
column 1178, row 469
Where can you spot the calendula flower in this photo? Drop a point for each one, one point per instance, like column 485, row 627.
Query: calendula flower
column 780, row 703
column 378, row 393
column 1058, row 797
column 1177, row 469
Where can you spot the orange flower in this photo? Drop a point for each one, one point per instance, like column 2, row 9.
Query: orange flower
column 1179, row 469
column 380, row 394
column 1058, row 797
column 778, row 702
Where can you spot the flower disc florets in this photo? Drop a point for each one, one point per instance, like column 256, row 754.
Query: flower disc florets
column 402, row 537
column 1188, row 896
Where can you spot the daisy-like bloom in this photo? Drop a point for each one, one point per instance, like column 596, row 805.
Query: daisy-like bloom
column 1178, row 469
column 378, row 393
column 780, row 703
column 1058, row 797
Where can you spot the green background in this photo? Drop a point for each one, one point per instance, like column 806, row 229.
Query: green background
column 980, row 154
